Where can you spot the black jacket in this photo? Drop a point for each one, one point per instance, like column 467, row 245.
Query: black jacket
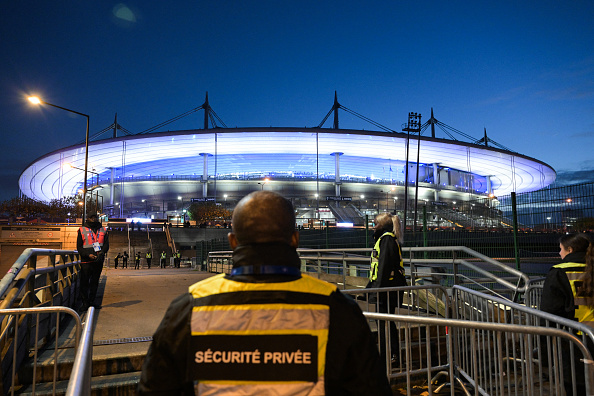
column 388, row 261
column 557, row 297
column 352, row 364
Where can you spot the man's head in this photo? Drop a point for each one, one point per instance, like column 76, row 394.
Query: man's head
column 263, row 217
column 93, row 217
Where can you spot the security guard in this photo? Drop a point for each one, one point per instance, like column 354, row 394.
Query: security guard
column 92, row 244
column 265, row 328
column 564, row 295
column 163, row 259
column 149, row 258
column 387, row 270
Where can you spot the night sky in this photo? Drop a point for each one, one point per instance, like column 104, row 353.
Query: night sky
column 523, row 70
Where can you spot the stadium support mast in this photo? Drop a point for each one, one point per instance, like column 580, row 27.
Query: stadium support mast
column 432, row 121
column 206, row 107
column 335, row 107
column 115, row 126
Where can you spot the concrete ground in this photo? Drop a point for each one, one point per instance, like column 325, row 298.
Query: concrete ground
column 133, row 304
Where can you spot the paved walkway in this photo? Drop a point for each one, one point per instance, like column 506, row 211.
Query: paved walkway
column 133, row 304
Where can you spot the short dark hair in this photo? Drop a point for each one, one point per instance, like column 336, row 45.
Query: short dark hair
column 263, row 216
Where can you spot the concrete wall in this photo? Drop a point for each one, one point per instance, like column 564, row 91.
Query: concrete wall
column 16, row 238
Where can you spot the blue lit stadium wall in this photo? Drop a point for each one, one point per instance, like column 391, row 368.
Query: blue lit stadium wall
column 225, row 164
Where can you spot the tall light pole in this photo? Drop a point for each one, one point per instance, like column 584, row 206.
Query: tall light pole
column 413, row 125
column 266, row 180
column 36, row 100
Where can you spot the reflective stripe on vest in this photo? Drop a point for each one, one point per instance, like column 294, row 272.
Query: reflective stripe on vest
column 583, row 312
column 375, row 253
column 259, row 338
column 89, row 237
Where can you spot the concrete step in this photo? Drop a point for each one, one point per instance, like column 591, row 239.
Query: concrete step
column 113, row 385
column 111, row 371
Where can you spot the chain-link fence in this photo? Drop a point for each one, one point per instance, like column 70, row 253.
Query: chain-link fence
column 485, row 225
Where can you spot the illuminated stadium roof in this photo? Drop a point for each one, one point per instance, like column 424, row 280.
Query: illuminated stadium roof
column 293, row 153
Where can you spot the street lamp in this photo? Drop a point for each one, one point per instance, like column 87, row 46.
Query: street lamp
column 262, row 183
column 36, row 100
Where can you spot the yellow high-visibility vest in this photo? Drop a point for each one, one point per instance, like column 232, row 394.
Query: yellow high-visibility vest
column 583, row 312
column 259, row 338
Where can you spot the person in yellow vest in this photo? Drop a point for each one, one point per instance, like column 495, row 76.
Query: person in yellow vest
column 568, row 291
column 92, row 244
column 265, row 328
column 387, row 270
column 149, row 258
column 163, row 261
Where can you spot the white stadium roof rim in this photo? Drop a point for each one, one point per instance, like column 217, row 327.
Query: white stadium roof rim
column 365, row 154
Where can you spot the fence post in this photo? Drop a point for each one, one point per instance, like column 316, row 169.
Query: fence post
column 425, row 243
column 366, row 230
column 515, row 219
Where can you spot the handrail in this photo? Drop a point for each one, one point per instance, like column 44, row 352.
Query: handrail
column 170, row 241
column 502, row 328
column 80, row 377
column 362, row 259
column 29, row 255
column 13, row 314
column 572, row 324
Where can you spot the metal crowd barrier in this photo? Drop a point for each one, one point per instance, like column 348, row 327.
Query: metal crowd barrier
column 32, row 328
column 408, row 350
column 544, row 356
column 444, row 265
column 533, row 293
column 27, row 288
column 80, row 378
column 482, row 358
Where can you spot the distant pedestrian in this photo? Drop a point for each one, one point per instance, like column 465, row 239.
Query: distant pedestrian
column 177, row 260
column 137, row 261
column 125, row 260
column 117, row 259
column 163, row 259
column 149, row 258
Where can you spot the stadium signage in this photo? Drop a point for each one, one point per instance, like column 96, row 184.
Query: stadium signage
column 202, row 199
column 33, row 233
column 332, row 198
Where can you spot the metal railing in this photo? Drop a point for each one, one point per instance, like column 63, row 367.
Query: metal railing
column 30, row 288
column 32, row 334
column 80, row 379
column 533, row 294
column 396, row 341
column 447, row 265
column 475, row 306
column 484, row 358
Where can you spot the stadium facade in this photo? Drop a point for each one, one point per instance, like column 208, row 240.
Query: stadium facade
column 328, row 173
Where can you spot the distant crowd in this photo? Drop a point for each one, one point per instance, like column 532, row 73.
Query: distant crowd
column 140, row 260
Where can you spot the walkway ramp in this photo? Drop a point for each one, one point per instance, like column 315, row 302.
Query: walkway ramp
column 133, row 304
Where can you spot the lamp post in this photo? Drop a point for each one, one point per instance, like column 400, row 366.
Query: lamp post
column 36, row 100
column 263, row 183
column 413, row 125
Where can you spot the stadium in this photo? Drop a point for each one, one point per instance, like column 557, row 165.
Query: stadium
column 328, row 173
